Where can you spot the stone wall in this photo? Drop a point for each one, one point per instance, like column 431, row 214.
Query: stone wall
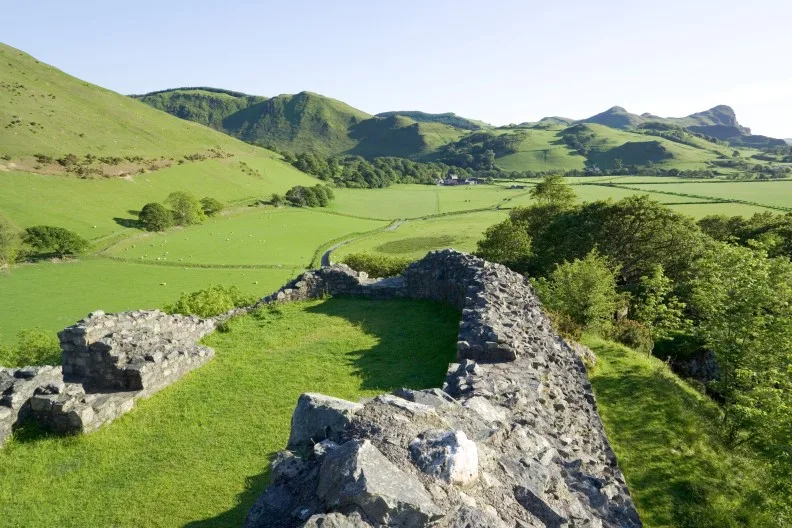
column 513, row 438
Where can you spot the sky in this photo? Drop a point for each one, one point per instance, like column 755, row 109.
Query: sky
column 501, row 61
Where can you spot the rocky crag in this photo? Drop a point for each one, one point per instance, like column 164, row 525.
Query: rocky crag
column 512, row 438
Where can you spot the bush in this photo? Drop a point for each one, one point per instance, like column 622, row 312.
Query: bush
column 211, row 206
column 34, row 347
column 155, row 217
column 632, row 334
column 377, row 265
column 186, row 208
column 57, row 240
column 211, row 301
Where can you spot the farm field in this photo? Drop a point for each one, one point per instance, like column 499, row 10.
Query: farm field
column 80, row 205
column 52, row 296
column 773, row 193
column 415, row 238
column 138, row 470
column 263, row 236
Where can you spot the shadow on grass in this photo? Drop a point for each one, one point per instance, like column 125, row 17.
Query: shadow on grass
column 668, row 446
column 412, row 350
column 128, row 222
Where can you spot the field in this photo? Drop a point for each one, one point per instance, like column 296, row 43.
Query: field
column 770, row 193
column 415, row 237
column 211, row 436
column 665, row 436
column 52, row 296
column 264, row 237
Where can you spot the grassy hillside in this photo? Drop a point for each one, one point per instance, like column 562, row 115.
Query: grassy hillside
column 666, row 439
column 43, row 110
column 400, row 136
column 448, row 118
column 207, row 106
column 616, row 117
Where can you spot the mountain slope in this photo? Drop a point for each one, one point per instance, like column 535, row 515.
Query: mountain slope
column 448, row 118
column 207, row 106
column 43, row 110
column 616, row 117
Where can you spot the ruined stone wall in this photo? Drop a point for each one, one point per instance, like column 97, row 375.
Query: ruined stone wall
column 512, row 438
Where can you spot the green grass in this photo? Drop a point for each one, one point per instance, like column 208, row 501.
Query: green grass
column 53, row 296
column 773, row 193
column 264, row 236
column 30, row 199
column 78, row 117
column 197, row 453
column 665, row 437
column 542, row 149
column 414, row 238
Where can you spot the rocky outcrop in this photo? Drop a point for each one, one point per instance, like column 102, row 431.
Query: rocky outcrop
column 513, row 438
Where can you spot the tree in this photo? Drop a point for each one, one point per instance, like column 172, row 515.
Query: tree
column 743, row 302
column 211, row 206
column 654, row 305
column 507, row 243
column 155, row 217
column 51, row 239
column 186, row 208
column 10, row 242
column 582, row 290
column 277, row 200
column 552, row 190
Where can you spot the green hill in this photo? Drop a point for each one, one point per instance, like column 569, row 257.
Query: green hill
column 448, row 118
column 207, row 106
column 616, row 117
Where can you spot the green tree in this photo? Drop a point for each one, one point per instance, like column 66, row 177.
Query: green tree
column 507, row 243
column 583, row 290
column 743, row 302
column 155, row 217
column 654, row 305
column 57, row 240
column 186, row 208
column 10, row 242
column 211, row 206
column 552, row 190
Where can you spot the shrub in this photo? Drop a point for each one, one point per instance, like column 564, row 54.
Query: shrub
column 211, row 301
column 57, row 240
column 155, row 217
column 211, row 206
column 34, row 347
column 632, row 334
column 377, row 265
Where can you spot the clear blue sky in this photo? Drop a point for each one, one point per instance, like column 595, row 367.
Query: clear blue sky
column 500, row 61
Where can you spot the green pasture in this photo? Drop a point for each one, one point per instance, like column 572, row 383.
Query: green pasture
column 415, row 238
column 100, row 207
column 209, row 438
column 263, row 236
column 542, row 149
column 772, row 193
column 52, row 296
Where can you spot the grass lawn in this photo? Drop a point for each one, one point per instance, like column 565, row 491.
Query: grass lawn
column 776, row 193
column 197, row 453
column 415, row 238
column 667, row 445
column 284, row 236
column 52, row 296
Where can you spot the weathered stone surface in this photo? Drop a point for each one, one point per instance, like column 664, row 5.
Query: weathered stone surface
column 17, row 387
column 357, row 474
column 518, row 392
column 336, row 520
column 447, row 455
column 318, row 417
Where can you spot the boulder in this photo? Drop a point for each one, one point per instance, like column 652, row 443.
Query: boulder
column 336, row 520
column 318, row 417
column 358, row 474
column 447, row 455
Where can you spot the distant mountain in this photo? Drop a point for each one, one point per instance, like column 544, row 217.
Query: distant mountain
column 557, row 120
column 616, row 117
column 788, row 141
column 719, row 122
column 448, row 118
